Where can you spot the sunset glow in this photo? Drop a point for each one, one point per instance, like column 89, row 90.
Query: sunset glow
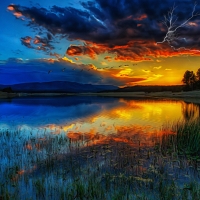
column 99, row 99
column 121, row 42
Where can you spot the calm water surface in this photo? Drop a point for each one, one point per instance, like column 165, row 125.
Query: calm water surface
column 47, row 144
column 92, row 115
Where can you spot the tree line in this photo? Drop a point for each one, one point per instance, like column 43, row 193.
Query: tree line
column 191, row 80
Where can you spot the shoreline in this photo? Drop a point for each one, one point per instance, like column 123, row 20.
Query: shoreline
column 189, row 96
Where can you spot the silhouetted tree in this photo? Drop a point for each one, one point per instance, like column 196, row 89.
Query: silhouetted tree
column 198, row 74
column 189, row 79
column 198, row 78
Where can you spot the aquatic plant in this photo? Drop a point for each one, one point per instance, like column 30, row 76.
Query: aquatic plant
column 183, row 139
column 47, row 166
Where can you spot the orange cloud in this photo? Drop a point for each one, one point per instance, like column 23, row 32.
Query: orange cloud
column 11, row 7
column 36, row 40
column 14, row 10
column 138, row 50
column 159, row 67
column 38, row 43
column 67, row 59
column 50, row 60
column 74, row 51
column 132, row 51
column 91, row 66
column 90, row 49
column 134, row 81
column 141, row 17
column 124, row 72
column 27, row 40
column 17, row 14
column 193, row 24
column 90, row 52
column 108, row 58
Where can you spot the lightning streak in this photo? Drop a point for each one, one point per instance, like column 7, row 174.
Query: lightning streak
column 170, row 22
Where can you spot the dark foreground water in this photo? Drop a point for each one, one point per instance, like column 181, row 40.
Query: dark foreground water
column 52, row 147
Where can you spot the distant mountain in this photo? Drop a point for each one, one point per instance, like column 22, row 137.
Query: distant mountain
column 58, row 86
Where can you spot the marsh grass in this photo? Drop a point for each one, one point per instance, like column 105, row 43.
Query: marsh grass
column 183, row 140
column 48, row 166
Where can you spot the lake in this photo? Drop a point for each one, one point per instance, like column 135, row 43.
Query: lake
column 92, row 114
column 64, row 140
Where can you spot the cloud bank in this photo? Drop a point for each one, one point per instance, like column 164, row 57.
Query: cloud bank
column 127, row 29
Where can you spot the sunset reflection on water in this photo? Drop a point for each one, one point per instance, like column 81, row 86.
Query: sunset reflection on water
column 96, row 119
column 59, row 141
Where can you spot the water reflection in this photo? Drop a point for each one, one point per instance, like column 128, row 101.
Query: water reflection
column 67, row 141
column 190, row 111
column 93, row 115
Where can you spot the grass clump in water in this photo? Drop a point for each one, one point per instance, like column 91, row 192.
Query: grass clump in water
column 183, row 140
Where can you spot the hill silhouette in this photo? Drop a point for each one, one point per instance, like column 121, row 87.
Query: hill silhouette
column 57, row 86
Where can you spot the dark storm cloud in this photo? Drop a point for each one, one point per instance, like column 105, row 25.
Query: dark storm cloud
column 58, row 20
column 126, row 28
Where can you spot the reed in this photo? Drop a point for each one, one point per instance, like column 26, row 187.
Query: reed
column 183, row 140
column 47, row 166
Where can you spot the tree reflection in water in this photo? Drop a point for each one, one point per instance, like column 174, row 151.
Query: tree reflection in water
column 190, row 111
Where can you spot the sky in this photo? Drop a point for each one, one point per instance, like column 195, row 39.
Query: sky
column 116, row 42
